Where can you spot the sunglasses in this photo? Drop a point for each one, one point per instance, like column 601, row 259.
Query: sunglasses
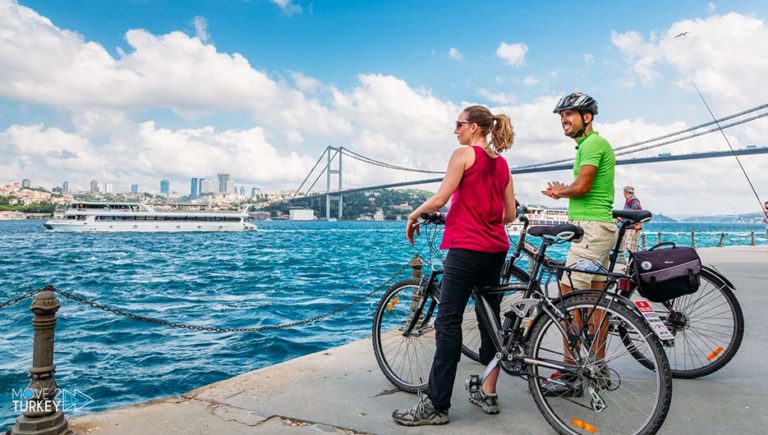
column 460, row 123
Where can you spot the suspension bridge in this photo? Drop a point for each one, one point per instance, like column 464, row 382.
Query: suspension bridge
column 330, row 164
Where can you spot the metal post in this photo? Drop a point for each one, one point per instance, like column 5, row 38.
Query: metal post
column 693, row 239
column 722, row 239
column 658, row 237
column 752, row 234
column 642, row 238
column 42, row 416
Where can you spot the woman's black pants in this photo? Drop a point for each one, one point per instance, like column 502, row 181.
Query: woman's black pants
column 464, row 270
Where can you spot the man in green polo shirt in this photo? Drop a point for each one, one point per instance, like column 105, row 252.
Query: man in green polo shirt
column 590, row 204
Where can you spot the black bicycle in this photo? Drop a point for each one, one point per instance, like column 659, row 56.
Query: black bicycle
column 708, row 325
column 583, row 377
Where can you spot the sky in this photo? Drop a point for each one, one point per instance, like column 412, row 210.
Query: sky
column 137, row 91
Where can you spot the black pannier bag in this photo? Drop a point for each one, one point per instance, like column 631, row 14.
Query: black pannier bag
column 664, row 274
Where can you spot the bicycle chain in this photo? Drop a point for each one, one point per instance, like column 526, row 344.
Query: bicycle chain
column 122, row 313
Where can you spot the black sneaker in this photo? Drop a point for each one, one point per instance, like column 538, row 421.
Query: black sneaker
column 560, row 385
column 422, row 413
column 489, row 402
column 602, row 378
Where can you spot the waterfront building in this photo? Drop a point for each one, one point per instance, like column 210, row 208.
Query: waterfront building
column 26, row 183
column 11, row 215
column 65, row 187
column 223, row 182
column 107, row 187
column 194, row 188
column 165, row 187
column 94, row 186
column 134, row 188
column 299, row 214
column 379, row 215
column 57, row 190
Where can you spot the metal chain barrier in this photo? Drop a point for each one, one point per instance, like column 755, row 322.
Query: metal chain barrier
column 18, row 299
column 204, row 328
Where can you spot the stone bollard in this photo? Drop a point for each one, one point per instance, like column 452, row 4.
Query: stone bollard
column 642, row 239
column 752, row 233
column 693, row 239
column 722, row 239
column 42, row 416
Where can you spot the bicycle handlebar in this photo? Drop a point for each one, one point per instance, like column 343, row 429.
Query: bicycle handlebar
column 435, row 218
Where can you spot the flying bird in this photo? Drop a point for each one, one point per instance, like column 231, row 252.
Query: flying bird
column 681, row 34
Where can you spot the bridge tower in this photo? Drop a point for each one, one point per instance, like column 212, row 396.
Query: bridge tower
column 329, row 196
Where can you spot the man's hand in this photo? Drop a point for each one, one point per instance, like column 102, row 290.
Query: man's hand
column 411, row 228
column 553, row 189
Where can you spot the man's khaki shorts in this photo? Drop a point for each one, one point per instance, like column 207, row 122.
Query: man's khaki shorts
column 599, row 238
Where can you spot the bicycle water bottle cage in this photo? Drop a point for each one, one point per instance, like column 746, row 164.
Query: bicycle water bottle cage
column 557, row 233
column 633, row 216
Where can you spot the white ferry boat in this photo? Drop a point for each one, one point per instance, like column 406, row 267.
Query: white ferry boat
column 127, row 216
column 538, row 215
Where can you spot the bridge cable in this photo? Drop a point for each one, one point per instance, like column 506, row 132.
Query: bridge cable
column 643, row 142
column 366, row 159
column 310, row 173
column 743, row 171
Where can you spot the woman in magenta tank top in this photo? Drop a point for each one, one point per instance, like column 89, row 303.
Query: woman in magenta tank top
column 479, row 185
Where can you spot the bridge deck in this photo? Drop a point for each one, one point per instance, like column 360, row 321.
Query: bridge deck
column 342, row 388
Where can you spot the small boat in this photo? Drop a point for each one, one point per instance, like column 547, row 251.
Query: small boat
column 135, row 217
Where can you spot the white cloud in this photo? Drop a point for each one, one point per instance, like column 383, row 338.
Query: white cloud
column 530, row 80
column 711, row 7
column 454, row 54
column 306, row 83
column 201, row 28
column 287, row 6
column 589, row 58
column 512, row 54
column 497, row 97
column 725, row 55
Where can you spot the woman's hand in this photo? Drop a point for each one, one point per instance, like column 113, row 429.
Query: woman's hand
column 411, row 227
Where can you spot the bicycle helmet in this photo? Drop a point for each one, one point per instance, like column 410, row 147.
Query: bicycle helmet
column 577, row 100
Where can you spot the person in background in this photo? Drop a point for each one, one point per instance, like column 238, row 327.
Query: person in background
column 479, row 184
column 630, row 237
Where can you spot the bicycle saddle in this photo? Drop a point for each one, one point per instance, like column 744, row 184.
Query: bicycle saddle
column 633, row 215
column 565, row 232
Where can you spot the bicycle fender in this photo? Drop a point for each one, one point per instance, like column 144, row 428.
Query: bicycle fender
column 720, row 276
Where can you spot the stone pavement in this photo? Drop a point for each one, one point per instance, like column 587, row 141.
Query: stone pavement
column 343, row 390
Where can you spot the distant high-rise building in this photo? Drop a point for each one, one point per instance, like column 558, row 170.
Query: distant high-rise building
column 194, row 188
column 230, row 187
column 94, row 186
column 56, row 189
column 242, row 190
column 165, row 187
column 224, row 183
column 255, row 192
column 26, row 183
column 209, row 186
column 107, row 187
column 65, row 187
column 134, row 188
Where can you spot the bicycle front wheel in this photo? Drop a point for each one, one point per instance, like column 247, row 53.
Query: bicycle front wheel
column 606, row 390
column 405, row 349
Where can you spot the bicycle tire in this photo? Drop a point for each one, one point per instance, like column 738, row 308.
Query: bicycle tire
column 702, row 346
column 404, row 360
column 469, row 326
column 635, row 400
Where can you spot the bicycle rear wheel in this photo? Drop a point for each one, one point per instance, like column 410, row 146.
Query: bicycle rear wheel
column 469, row 326
column 708, row 326
column 405, row 354
column 608, row 390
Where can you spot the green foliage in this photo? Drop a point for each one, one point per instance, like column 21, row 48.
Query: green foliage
column 361, row 203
